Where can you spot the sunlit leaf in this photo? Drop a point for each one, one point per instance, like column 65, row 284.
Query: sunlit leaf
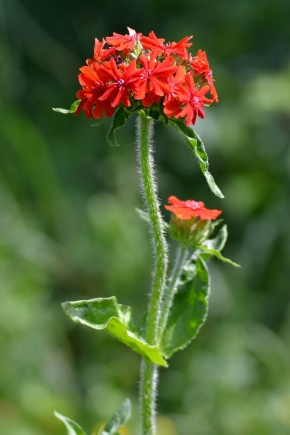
column 72, row 108
column 106, row 314
column 119, row 419
column 72, row 427
column 198, row 148
column 189, row 309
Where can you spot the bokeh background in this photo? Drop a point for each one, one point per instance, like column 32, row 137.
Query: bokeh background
column 69, row 230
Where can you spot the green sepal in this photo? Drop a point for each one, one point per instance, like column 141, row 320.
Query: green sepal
column 72, row 109
column 72, row 427
column 197, row 146
column 106, row 314
column 118, row 420
column 189, row 308
column 119, row 120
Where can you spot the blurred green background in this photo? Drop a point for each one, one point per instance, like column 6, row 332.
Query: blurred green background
column 68, row 227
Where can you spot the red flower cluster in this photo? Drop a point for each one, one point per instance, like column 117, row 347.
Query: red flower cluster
column 130, row 70
column 188, row 209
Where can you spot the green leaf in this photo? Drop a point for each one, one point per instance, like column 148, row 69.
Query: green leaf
column 119, row 419
column 189, row 309
column 219, row 241
column 106, row 314
column 217, row 254
column 198, row 148
column 72, row 427
column 119, row 120
column 72, row 108
column 212, row 247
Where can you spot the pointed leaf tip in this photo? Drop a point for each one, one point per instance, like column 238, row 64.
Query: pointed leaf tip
column 72, row 427
column 119, row 419
column 72, row 109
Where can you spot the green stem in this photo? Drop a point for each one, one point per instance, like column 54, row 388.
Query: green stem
column 181, row 257
column 149, row 374
column 148, row 393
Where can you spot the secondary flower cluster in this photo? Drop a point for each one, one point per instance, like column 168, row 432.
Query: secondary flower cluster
column 191, row 223
column 133, row 70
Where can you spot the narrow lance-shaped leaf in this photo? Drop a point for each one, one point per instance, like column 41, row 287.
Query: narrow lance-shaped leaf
column 189, row 308
column 198, row 148
column 217, row 254
column 106, row 314
column 119, row 419
column 72, row 427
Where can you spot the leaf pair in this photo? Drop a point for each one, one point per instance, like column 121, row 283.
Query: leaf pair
column 118, row 420
column 185, row 319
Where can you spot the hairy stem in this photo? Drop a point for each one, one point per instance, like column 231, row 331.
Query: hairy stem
column 149, row 374
column 181, row 257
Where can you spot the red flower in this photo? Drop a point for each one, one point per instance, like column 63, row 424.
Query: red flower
column 93, row 88
column 151, row 42
column 154, row 75
column 121, row 81
column 100, row 53
column 135, row 70
column 124, row 42
column 200, row 66
column 189, row 209
column 172, row 105
column 194, row 100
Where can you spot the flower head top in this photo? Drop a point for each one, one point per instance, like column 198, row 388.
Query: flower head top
column 189, row 209
column 135, row 71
